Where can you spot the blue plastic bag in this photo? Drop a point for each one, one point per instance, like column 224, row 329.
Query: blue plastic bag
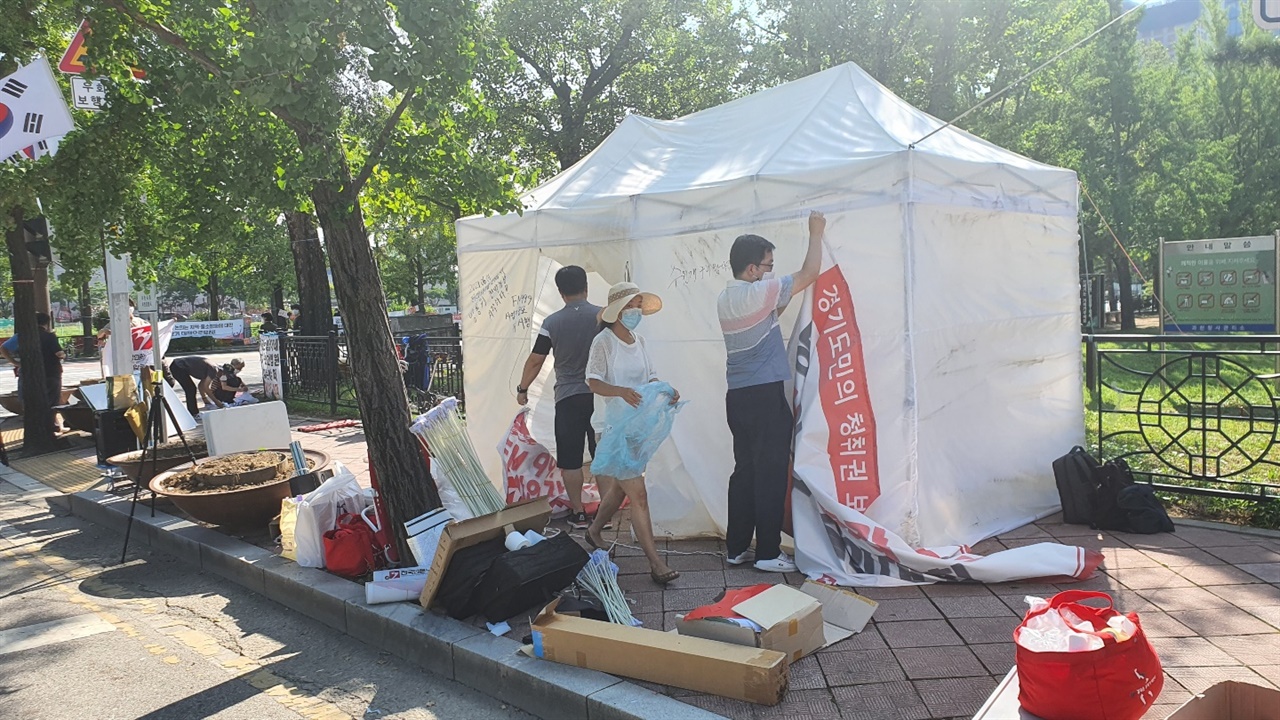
column 636, row 433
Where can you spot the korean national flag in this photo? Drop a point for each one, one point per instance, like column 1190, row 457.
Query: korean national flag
column 32, row 108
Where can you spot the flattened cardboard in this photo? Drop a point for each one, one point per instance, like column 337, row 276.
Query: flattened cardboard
column 844, row 613
column 795, row 622
column 1231, row 700
column 750, row 674
column 531, row 515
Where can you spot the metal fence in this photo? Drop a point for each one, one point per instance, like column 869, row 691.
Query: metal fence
column 319, row 370
column 1190, row 414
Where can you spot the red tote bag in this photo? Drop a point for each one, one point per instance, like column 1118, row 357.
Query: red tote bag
column 349, row 548
column 1120, row 681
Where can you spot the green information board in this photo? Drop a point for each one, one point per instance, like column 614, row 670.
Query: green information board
column 1216, row 286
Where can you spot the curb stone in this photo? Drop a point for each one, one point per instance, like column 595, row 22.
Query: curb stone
column 464, row 653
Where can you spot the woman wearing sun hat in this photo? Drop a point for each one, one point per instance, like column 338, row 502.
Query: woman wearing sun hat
column 618, row 364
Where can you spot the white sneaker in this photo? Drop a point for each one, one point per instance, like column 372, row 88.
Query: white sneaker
column 747, row 556
column 780, row 564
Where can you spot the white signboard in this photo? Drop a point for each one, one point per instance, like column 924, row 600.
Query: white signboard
column 148, row 299
column 87, row 94
column 1266, row 13
column 269, row 352
column 216, row 329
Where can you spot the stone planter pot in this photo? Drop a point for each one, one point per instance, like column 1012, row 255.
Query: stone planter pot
column 242, row 508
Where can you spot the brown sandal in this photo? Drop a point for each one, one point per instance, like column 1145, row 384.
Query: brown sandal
column 664, row 578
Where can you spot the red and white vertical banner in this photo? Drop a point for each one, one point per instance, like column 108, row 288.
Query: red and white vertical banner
column 842, row 389
column 836, row 470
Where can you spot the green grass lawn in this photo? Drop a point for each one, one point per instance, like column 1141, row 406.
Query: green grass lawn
column 1211, row 416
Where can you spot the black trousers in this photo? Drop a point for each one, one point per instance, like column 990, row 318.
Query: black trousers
column 179, row 372
column 761, row 422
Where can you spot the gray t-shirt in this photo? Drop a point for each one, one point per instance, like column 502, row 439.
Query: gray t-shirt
column 568, row 333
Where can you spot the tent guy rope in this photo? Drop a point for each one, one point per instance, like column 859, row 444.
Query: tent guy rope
column 988, row 99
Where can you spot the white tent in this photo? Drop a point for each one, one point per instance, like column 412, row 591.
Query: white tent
column 961, row 256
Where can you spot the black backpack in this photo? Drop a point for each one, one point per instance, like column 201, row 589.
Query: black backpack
column 1077, row 475
column 1144, row 511
column 1113, row 477
column 1105, row 496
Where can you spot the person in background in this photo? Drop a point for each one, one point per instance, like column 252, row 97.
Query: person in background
column 268, row 324
column 134, row 322
column 282, row 320
column 195, row 374
column 758, row 411
column 568, row 333
column 9, row 350
column 229, row 389
column 618, row 364
column 53, row 356
column 295, row 316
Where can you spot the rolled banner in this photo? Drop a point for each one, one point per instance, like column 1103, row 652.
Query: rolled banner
column 396, row 585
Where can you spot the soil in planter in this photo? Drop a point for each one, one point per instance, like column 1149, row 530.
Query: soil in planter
column 171, row 450
column 194, row 481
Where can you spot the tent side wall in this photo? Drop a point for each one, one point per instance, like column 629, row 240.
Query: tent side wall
column 996, row 349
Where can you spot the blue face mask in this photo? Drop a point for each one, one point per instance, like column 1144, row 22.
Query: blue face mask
column 631, row 318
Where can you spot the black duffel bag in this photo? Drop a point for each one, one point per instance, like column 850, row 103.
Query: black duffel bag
column 525, row 579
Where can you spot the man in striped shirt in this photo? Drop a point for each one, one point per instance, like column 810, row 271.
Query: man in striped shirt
column 757, row 406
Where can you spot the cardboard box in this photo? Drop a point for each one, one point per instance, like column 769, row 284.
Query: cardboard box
column 531, row 515
column 1231, row 700
column 796, row 622
column 751, row 674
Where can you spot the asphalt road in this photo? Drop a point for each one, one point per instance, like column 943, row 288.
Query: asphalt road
column 83, row 637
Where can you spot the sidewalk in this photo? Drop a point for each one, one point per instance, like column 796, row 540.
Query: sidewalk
column 1208, row 596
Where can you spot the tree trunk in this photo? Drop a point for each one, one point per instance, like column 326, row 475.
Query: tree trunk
column 277, row 297
column 419, row 295
column 37, row 423
column 41, row 276
column 406, row 488
column 86, row 309
column 1124, row 276
column 215, row 299
column 313, row 279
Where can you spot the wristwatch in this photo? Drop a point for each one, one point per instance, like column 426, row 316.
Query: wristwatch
column 521, row 390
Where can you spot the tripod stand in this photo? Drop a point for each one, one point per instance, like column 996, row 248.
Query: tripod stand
column 151, row 442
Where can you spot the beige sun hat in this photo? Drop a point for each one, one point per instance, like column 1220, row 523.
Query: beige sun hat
column 621, row 294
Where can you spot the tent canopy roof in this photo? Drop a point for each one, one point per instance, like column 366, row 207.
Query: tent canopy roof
column 833, row 124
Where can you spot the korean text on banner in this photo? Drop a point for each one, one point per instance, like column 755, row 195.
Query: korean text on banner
column 836, row 472
column 269, row 352
column 846, row 403
column 216, row 329
column 32, row 108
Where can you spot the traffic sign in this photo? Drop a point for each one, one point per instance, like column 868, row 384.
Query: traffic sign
column 73, row 61
column 1266, row 13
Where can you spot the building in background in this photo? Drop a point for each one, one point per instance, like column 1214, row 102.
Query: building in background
column 1162, row 20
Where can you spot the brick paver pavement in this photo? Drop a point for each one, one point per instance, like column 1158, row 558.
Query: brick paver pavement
column 1209, row 599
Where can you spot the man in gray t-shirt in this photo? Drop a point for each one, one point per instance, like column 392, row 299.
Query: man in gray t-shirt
column 568, row 333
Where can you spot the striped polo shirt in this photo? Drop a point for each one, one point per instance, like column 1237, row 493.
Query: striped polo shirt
column 749, row 320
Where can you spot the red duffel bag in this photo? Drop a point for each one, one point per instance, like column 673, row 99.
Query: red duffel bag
column 348, row 548
column 1119, row 681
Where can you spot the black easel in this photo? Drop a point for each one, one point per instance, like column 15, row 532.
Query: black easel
column 151, row 441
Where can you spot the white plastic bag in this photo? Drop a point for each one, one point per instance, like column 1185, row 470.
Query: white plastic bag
column 289, row 529
column 318, row 513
